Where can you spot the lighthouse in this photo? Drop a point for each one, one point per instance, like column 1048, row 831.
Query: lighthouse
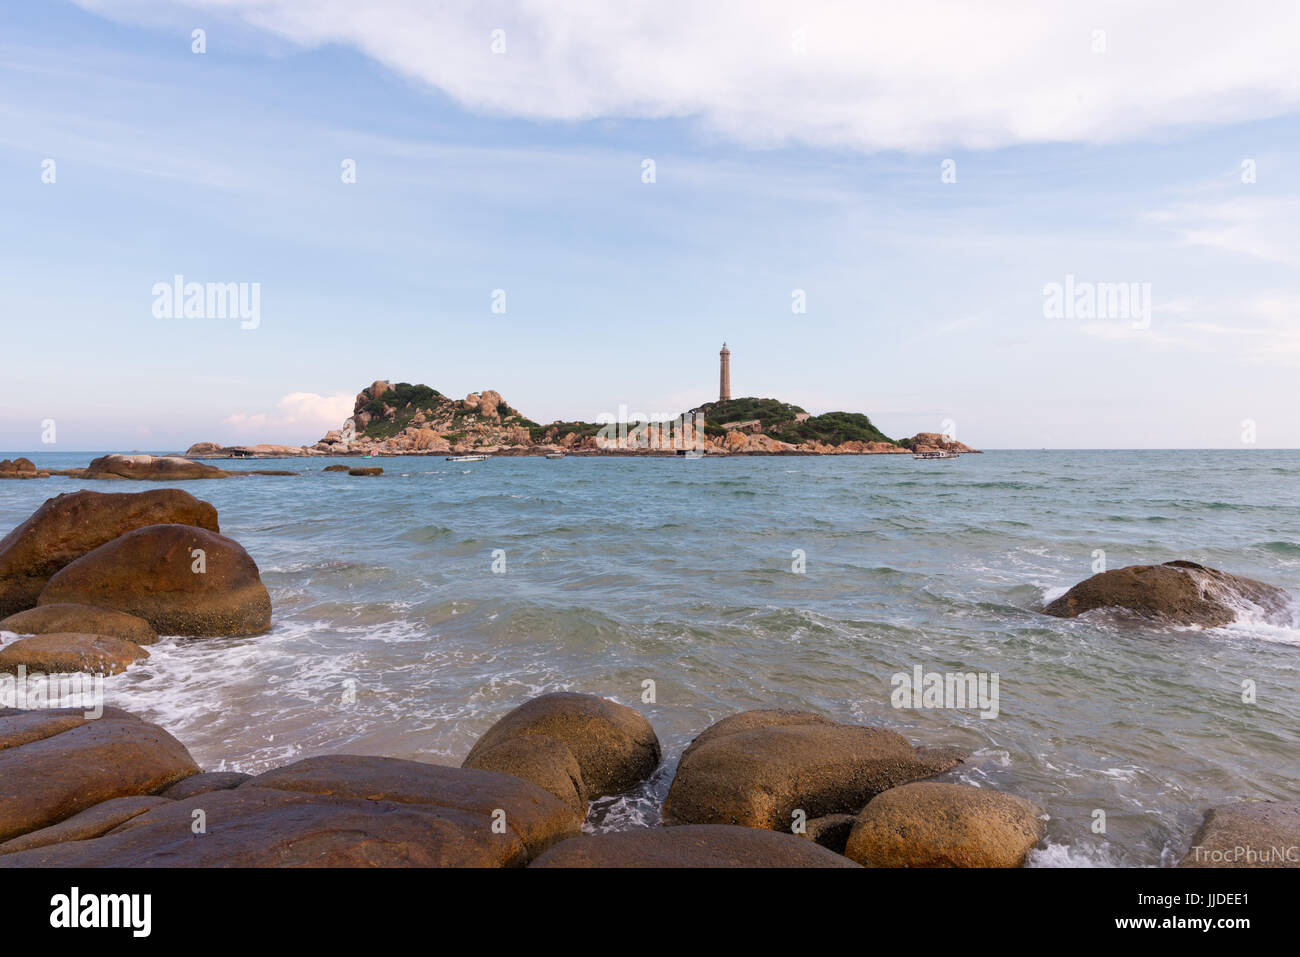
column 724, row 374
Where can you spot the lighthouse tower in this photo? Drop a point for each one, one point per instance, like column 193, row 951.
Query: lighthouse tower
column 724, row 374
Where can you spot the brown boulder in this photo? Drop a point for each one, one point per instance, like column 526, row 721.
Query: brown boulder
column 92, row 822
column 1247, row 834
column 932, row 824
column 336, row 811
column 615, row 747
column 68, row 526
column 153, row 573
column 87, row 619
column 152, row 468
column 541, row 759
column 64, row 653
column 370, row 470
column 206, row 781
column 1178, row 592
column 757, row 768
column 20, row 468
column 535, row 815
column 831, row 831
column 335, row 468
column 55, row 764
column 702, row 845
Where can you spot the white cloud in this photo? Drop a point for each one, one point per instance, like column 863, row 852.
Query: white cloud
column 920, row 75
column 1265, row 227
column 301, row 416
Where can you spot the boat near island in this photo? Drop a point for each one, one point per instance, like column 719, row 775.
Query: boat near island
column 466, row 458
column 935, row 455
column 555, row 455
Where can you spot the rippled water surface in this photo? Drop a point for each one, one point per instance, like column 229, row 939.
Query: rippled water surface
column 619, row 571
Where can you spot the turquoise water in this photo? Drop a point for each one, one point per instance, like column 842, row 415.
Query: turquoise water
column 619, row 571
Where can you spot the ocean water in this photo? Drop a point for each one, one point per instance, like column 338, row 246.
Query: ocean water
column 622, row 571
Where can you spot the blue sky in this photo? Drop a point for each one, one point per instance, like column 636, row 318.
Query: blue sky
column 522, row 171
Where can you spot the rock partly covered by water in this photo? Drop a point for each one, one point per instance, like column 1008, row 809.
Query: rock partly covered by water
column 57, row 763
column 69, row 617
column 758, row 768
column 577, row 746
column 701, row 845
column 69, row 526
column 335, row 811
column 181, row 579
column 65, row 653
column 156, row 468
column 1177, row 592
column 935, row 824
column 1247, row 834
column 20, row 468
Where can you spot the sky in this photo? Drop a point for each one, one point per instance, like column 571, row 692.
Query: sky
column 577, row 203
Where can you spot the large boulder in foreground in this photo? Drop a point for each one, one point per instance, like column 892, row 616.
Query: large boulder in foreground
column 703, row 845
column 757, row 768
column 92, row 822
column 154, row 468
column 933, row 824
column 615, row 747
column 55, row 764
column 87, row 619
column 64, row 653
column 157, row 573
column 1178, row 592
column 335, row 811
column 68, row 526
column 1247, row 834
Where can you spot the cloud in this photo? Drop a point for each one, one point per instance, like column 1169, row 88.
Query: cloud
column 1258, row 330
column 1264, row 227
column 921, row 75
column 304, row 416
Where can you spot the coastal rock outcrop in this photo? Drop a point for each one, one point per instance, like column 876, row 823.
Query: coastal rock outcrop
column 701, row 845
column 69, row 526
column 87, row 619
column 20, row 468
column 613, row 746
column 154, row 468
column 57, row 763
column 934, row 824
column 1247, row 834
column 369, row 470
column 181, row 579
column 92, row 822
column 64, row 653
column 757, row 768
column 1177, row 592
column 336, row 811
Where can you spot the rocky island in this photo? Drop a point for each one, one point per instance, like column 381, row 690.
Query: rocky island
column 406, row 419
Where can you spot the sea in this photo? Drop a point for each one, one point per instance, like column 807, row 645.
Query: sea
column 413, row 609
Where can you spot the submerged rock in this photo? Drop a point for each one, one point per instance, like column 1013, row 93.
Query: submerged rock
column 66, row 617
column 181, row 579
column 613, row 746
column 367, row 470
column 64, row 653
column 1177, row 592
column 933, row 824
column 758, row 768
column 69, row 526
column 704, row 845
column 1247, row 834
